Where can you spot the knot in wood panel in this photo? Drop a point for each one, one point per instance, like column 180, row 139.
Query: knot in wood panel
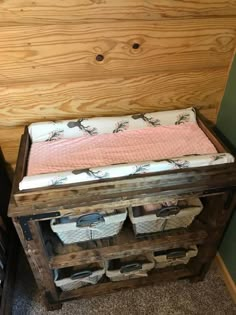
column 136, row 45
column 99, row 58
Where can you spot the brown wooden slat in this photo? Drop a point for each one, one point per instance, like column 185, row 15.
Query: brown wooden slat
column 83, row 197
column 128, row 247
column 79, row 208
column 220, row 147
column 155, row 277
column 20, row 12
column 21, row 160
column 216, row 215
column 111, row 97
column 38, row 263
column 165, row 179
column 156, row 186
column 38, row 53
column 10, row 140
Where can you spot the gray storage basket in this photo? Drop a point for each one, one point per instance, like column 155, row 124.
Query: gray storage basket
column 76, row 278
column 167, row 218
column 174, row 257
column 129, row 267
column 90, row 226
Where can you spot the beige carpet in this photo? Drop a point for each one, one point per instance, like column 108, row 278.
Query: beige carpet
column 209, row 297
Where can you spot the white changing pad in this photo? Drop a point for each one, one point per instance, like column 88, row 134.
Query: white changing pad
column 114, row 171
column 51, row 131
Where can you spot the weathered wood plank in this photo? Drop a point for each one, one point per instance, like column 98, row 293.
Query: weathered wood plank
column 216, row 215
column 127, row 245
column 155, row 277
column 21, row 160
column 122, row 196
column 120, row 193
column 39, row 53
column 109, row 204
column 37, row 257
column 21, row 12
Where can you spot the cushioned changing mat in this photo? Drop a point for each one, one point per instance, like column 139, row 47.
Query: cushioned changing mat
column 131, row 146
column 176, row 142
column 54, row 130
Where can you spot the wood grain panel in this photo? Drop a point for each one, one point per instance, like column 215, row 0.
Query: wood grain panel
column 18, row 12
column 68, row 52
column 23, row 104
column 52, row 101
column 9, row 141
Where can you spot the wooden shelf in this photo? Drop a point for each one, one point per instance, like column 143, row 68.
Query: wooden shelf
column 155, row 276
column 125, row 244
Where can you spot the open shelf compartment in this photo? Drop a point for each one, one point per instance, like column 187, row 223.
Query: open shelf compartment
column 155, row 276
column 124, row 244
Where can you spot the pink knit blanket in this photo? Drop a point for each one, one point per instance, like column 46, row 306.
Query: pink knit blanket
column 131, row 146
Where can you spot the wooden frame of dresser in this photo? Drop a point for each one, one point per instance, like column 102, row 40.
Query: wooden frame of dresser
column 29, row 207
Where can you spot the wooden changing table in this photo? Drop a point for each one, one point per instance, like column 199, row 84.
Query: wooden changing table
column 32, row 210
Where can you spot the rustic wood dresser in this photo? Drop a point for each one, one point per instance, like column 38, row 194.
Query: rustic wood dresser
column 32, row 210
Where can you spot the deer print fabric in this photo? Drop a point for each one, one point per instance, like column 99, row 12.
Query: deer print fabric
column 85, row 150
column 55, row 130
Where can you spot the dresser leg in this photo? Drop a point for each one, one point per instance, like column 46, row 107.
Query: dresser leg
column 50, row 305
column 217, row 214
column 201, row 276
column 38, row 259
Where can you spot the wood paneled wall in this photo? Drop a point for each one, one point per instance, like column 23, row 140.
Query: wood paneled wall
column 49, row 67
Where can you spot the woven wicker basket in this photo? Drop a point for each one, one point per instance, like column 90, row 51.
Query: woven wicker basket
column 89, row 226
column 165, row 218
column 129, row 267
column 174, row 257
column 71, row 278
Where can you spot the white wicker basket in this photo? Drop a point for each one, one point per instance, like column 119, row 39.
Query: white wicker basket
column 167, row 218
column 89, row 226
column 174, row 257
column 71, row 278
column 129, row 267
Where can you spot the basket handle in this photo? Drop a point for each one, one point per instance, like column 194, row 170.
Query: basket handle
column 166, row 211
column 81, row 274
column 179, row 253
column 130, row 267
column 88, row 219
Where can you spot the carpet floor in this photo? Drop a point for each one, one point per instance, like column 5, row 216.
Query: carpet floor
column 209, row 297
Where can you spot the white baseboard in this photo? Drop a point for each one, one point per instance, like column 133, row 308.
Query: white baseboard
column 226, row 276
